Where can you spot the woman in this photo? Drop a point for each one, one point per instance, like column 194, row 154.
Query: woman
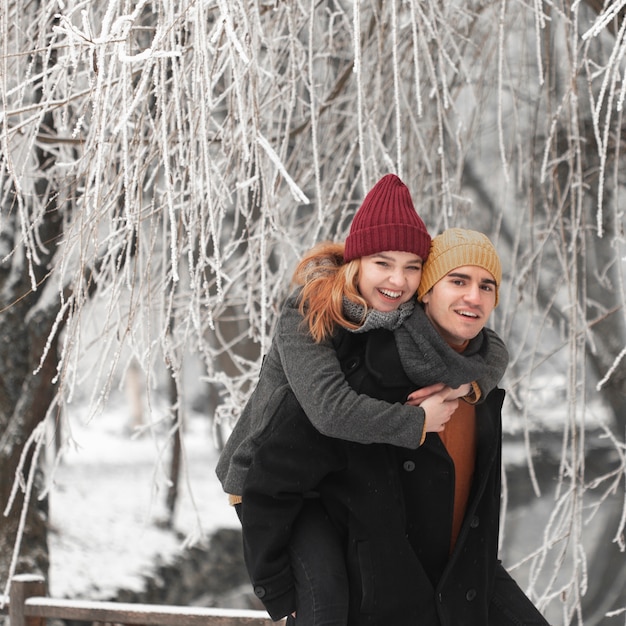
column 365, row 291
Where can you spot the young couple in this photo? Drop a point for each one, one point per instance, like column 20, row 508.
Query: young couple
column 369, row 493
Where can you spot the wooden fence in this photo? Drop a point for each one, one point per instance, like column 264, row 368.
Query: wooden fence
column 27, row 605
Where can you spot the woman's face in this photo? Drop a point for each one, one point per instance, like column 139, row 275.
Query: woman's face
column 389, row 279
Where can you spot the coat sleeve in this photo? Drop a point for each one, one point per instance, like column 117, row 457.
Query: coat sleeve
column 291, row 459
column 510, row 605
column 334, row 408
column 496, row 357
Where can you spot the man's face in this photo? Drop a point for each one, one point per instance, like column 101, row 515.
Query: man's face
column 460, row 304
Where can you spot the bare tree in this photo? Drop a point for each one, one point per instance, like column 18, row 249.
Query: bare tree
column 164, row 163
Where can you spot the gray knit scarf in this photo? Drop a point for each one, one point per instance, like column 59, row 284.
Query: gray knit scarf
column 372, row 319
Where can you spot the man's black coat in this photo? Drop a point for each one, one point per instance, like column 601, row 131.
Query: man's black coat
column 391, row 505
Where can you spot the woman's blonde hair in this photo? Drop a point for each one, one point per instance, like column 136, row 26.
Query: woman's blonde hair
column 325, row 281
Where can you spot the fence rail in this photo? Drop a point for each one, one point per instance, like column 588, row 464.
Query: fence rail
column 28, row 605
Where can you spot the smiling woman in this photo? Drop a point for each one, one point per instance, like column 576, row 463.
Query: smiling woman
column 389, row 279
column 385, row 224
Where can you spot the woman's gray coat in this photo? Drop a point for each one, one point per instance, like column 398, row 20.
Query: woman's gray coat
column 312, row 372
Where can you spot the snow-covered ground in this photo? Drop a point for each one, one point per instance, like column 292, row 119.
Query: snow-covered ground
column 108, row 499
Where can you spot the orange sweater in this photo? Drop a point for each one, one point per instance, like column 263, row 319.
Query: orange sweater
column 459, row 438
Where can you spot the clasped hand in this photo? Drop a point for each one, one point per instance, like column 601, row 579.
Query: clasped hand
column 439, row 403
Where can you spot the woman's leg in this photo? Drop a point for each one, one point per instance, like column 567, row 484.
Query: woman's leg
column 319, row 567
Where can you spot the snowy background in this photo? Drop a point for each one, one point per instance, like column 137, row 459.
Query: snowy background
column 158, row 187
column 107, row 503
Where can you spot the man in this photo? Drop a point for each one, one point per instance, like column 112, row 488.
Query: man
column 419, row 527
column 453, row 521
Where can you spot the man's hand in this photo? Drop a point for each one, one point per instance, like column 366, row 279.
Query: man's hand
column 418, row 396
column 459, row 392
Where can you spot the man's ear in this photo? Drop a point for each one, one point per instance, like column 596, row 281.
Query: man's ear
column 426, row 296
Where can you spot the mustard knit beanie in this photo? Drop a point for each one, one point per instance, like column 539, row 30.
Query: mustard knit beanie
column 454, row 248
column 387, row 220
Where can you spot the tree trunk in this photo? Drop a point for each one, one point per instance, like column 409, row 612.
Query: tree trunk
column 26, row 387
column 26, row 392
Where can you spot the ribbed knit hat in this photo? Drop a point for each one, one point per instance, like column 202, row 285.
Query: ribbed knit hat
column 454, row 248
column 387, row 220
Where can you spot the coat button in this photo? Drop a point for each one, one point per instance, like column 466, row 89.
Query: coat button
column 470, row 595
column 352, row 363
column 259, row 591
column 475, row 521
column 408, row 466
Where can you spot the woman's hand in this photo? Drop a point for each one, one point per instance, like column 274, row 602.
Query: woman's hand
column 419, row 395
column 439, row 403
column 438, row 410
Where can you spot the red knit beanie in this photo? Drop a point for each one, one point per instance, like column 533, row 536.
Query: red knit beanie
column 387, row 220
